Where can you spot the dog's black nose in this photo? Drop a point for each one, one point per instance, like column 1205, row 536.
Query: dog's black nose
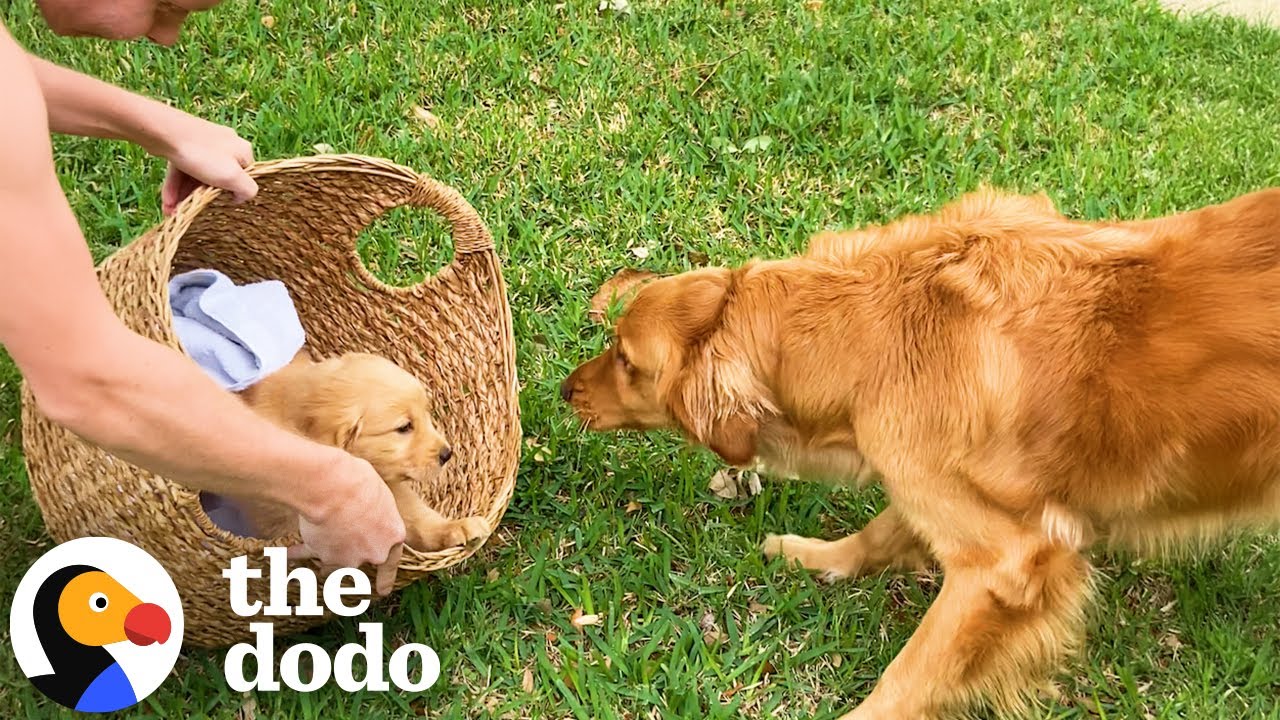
column 566, row 391
column 445, row 454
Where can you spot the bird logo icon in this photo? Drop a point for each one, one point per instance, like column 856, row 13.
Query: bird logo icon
column 96, row 624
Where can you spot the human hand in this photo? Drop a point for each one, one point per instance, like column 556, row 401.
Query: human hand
column 200, row 152
column 361, row 524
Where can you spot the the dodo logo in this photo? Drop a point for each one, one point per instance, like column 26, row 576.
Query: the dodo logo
column 96, row 624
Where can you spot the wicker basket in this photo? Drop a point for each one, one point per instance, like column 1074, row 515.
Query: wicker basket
column 453, row 331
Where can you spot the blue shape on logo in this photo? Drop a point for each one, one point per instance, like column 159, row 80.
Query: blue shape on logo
column 110, row 691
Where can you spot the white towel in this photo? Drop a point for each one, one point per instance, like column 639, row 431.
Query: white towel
column 238, row 334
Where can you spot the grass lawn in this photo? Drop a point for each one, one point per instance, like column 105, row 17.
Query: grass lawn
column 684, row 131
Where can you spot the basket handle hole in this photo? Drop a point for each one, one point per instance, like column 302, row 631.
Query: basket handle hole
column 405, row 246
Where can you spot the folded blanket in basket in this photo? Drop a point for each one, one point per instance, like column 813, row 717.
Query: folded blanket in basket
column 238, row 334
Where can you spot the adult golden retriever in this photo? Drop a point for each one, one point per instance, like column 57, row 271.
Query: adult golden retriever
column 1024, row 385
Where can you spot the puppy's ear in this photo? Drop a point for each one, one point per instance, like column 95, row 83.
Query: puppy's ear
column 348, row 431
column 619, row 288
column 323, row 427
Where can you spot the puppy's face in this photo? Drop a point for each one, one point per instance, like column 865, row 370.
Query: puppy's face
column 378, row 412
column 658, row 373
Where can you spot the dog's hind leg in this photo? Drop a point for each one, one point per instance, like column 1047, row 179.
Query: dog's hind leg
column 884, row 543
column 1006, row 617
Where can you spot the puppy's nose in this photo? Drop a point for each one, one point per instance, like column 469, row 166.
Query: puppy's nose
column 566, row 390
column 445, row 454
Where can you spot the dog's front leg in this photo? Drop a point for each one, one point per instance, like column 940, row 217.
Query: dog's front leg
column 427, row 530
column 884, row 543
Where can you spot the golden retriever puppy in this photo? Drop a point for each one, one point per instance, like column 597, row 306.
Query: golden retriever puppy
column 1023, row 385
column 377, row 411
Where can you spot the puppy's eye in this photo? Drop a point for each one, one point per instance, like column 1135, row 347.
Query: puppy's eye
column 624, row 361
column 406, row 428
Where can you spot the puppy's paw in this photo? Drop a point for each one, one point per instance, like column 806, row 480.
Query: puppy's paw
column 474, row 529
column 466, row 532
column 820, row 556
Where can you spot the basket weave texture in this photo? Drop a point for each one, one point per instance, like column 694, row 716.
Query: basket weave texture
column 453, row 331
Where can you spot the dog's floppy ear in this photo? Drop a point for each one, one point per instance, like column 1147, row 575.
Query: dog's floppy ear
column 714, row 398
column 701, row 303
column 341, row 431
column 619, row 288
column 348, row 431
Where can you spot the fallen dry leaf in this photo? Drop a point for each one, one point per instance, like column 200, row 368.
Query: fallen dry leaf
column 618, row 287
column 633, row 507
column 322, row 148
column 640, row 251
column 756, row 607
column 711, row 632
column 268, row 21
column 493, row 575
column 428, row 118
column 620, row 7
column 724, row 485
column 580, row 621
column 527, row 682
column 731, row 483
column 248, row 709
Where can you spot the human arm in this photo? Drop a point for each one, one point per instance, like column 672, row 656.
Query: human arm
column 140, row 400
column 197, row 150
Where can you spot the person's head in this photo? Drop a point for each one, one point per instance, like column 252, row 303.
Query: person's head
column 159, row 20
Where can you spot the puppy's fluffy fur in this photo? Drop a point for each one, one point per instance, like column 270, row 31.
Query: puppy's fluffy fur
column 377, row 411
column 1024, row 385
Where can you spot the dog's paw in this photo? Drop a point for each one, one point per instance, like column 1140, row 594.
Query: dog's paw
column 772, row 545
column 810, row 553
column 474, row 530
column 468, row 532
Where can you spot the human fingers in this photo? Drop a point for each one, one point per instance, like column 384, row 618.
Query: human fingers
column 301, row 551
column 242, row 187
column 386, row 577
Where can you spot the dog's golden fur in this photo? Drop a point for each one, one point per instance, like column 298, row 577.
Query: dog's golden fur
column 375, row 410
column 1024, row 386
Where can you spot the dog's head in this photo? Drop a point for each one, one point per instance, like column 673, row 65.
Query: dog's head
column 676, row 361
column 377, row 411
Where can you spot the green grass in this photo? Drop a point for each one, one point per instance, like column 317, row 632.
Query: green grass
column 581, row 137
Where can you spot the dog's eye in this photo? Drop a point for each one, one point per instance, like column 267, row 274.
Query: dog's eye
column 406, row 428
column 624, row 361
